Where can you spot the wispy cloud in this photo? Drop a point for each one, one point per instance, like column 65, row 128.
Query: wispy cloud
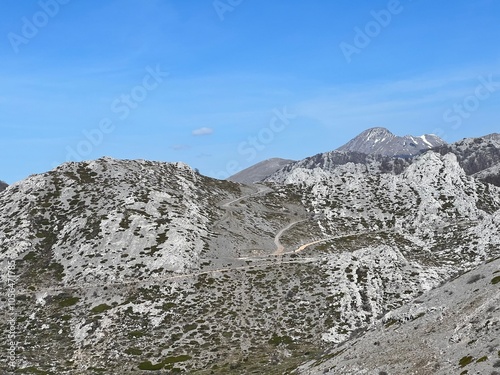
column 202, row 131
column 180, row 147
column 204, row 156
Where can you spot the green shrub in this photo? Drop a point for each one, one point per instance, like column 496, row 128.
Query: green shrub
column 30, row 256
column 69, row 301
column 181, row 358
column 190, row 327
column 133, row 351
column 135, row 334
column 150, row 367
column 465, row 361
column 277, row 340
column 31, row 370
column 101, row 308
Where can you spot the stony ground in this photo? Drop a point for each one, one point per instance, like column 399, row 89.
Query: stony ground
column 132, row 267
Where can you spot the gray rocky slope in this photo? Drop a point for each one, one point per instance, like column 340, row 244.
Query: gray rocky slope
column 259, row 171
column 128, row 267
column 3, row 185
column 454, row 329
column 381, row 141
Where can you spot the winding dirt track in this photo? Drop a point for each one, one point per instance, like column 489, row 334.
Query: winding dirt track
column 263, row 260
column 280, row 249
column 261, row 190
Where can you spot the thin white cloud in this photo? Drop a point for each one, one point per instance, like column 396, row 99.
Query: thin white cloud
column 202, row 131
column 204, row 156
column 180, row 147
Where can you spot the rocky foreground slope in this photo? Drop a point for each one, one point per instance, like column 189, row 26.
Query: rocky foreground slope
column 453, row 329
column 131, row 267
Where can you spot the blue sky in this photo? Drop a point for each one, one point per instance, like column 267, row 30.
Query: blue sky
column 224, row 84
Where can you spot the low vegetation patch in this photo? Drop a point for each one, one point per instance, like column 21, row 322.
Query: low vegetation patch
column 167, row 362
column 135, row 334
column 100, row 308
column 181, row 358
column 69, row 301
column 133, row 351
column 465, row 361
column 277, row 340
column 148, row 366
column 31, row 370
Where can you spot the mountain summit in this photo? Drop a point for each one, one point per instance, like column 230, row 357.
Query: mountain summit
column 381, row 141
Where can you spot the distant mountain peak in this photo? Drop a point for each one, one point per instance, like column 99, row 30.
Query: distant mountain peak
column 380, row 141
column 259, row 171
column 376, row 131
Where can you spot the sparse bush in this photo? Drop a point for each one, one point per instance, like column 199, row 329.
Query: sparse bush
column 69, row 301
column 135, row 334
column 277, row 340
column 147, row 365
column 133, row 351
column 465, row 361
column 101, row 308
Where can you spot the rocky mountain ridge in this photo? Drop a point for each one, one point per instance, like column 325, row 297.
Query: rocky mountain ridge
column 131, row 266
column 477, row 156
column 380, row 141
